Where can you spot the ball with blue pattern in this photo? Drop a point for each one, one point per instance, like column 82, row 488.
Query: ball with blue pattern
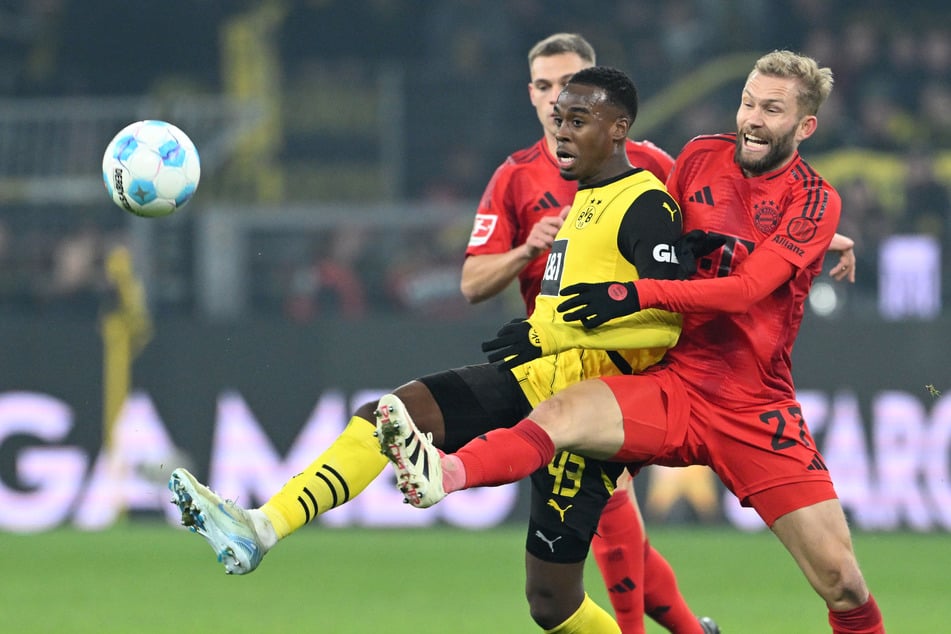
column 151, row 168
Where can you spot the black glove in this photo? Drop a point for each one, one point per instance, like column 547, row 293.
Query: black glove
column 599, row 302
column 515, row 339
column 692, row 246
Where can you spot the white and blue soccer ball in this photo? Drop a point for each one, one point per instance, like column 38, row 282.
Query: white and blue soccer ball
column 151, row 168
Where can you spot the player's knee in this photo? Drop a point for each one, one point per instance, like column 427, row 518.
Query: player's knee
column 842, row 585
column 547, row 606
column 554, row 416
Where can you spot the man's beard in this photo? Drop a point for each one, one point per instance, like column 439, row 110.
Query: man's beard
column 779, row 151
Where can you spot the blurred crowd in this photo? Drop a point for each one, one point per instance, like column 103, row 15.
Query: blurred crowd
column 412, row 100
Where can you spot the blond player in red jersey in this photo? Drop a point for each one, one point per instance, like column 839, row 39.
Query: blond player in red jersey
column 724, row 395
column 518, row 216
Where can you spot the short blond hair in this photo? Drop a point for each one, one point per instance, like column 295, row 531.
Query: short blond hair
column 815, row 82
column 559, row 43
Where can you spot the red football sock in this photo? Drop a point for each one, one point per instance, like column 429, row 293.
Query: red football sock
column 506, row 455
column 618, row 548
column 865, row 619
column 662, row 599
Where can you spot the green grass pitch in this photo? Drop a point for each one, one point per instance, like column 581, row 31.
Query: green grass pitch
column 147, row 577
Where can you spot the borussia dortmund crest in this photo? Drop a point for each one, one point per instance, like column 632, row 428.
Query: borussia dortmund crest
column 587, row 214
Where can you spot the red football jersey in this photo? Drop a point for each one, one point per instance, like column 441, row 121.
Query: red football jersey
column 792, row 212
column 527, row 187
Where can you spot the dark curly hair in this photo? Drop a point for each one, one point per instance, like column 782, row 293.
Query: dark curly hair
column 617, row 86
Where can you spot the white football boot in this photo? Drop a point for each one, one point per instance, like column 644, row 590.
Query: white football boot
column 415, row 458
column 228, row 528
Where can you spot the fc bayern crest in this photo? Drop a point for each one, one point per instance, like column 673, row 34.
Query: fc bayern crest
column 766, row 216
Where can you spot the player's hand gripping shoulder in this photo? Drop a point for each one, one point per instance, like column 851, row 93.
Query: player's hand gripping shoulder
column 596, row 303
column 515, row 343
column 692, row 246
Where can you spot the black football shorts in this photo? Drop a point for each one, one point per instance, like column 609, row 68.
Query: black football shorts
column 567, row 496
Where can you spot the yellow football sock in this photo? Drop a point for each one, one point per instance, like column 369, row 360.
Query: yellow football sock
column 337, row 476
column 589, row 618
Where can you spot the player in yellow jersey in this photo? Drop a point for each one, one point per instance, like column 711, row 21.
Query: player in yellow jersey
column 627, row 225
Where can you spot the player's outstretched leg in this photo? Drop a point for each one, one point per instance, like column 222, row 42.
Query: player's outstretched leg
column 415, row 458
column 709, row 625
column 239, row 542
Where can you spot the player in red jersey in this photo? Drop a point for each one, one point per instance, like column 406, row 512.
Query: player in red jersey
column 516, row 221
column 724, row 395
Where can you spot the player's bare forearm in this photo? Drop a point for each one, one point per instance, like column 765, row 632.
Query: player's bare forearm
column 844, row 269
column 485, row 276
column 841, row 242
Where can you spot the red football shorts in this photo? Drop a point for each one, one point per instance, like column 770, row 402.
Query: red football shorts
column 764, row 454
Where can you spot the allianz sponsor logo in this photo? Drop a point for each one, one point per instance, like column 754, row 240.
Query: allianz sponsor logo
column 788, row 244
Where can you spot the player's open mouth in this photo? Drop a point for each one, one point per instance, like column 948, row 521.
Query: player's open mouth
column 754, row 142
column 565, row 160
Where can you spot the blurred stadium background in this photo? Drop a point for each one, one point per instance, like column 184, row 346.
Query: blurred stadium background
column 344, row 147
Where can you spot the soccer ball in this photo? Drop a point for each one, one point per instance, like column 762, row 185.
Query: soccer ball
column 151, row 168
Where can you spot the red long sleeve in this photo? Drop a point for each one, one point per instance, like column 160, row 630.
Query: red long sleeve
column 758, row 276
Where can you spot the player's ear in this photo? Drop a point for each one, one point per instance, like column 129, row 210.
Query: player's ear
column 622, row 126
column 807, row 126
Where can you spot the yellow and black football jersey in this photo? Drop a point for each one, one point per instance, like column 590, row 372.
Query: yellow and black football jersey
column 622, row 229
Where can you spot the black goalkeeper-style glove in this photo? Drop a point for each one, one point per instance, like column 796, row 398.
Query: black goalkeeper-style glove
column 692, row 246
column 597, row 303
column 515, row 343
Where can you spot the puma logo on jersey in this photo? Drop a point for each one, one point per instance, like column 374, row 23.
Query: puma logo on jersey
column 672, row 211
column 551, row 542
column 561, row 511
